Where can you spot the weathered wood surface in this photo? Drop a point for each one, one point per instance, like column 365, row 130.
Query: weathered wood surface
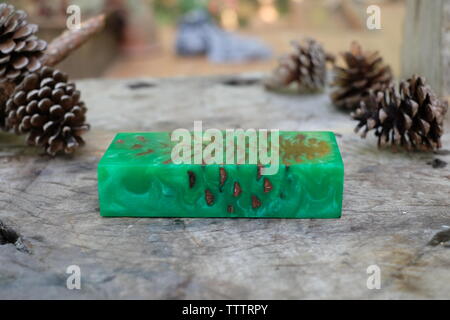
column 394, row 204
column 426, row 42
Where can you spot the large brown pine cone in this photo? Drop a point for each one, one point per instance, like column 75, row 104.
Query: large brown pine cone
column 305, row 66
column 20, row 49
column 49, row 109
column 411, row 117
column 364, row 71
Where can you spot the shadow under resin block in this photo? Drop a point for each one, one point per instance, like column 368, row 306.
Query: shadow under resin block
column 137, row 178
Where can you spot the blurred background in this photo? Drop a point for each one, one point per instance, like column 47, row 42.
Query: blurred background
column 163, row 38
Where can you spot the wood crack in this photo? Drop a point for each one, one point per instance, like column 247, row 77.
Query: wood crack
column 10, row 236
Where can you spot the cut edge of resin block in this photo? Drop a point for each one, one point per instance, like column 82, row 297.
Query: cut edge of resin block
column 166, row 190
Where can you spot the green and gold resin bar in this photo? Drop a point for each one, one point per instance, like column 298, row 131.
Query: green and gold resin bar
column 138, row 178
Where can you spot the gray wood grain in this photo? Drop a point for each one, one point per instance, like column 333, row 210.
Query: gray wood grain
column 394, row 204
column 426, row 43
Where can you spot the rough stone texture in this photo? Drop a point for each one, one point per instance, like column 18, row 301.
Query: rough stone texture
column 394, row 203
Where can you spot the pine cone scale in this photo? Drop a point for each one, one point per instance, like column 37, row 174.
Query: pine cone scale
column 4, row 60
column 19, row 46
column 7, row 46
column 20, row 62
column 25, row 31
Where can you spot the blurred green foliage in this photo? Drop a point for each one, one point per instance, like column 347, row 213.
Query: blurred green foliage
column 169, row 11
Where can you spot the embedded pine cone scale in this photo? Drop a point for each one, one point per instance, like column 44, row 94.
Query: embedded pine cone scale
column 411, row 117
column 48, row 108
column 305, row 67
column 364, row 71
column 20, row 49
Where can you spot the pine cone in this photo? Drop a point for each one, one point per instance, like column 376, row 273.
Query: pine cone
column 20, row 49
column 411, row 117
column 306, row 67
column 49, row 109
column 364, row 72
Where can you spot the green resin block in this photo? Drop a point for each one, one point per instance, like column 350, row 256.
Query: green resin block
column 137, row 178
